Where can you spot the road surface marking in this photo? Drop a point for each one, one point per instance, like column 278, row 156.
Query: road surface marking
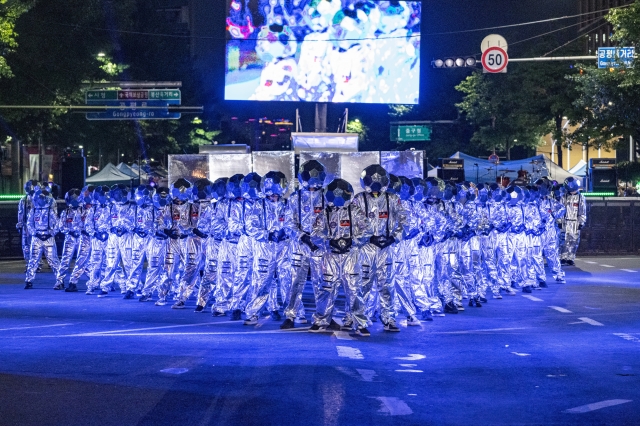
column 629, row 270
column 348, row 372
column 409, row 371
column 608, row 266
column 412, row 394
column 204, row 333
column 343, row 335
column 596, row 406
column 411, row 357
column 349, row 352
column 520, row 354
column 35, row 326
column 585, row 320
column 392, row 406
column 559, row 309
column 408, row 365
column 590, row 262
column 174, row 370
column 366, row 375
column 535, row 299
column 164, row 326
column 628, row 337
column 480, row 331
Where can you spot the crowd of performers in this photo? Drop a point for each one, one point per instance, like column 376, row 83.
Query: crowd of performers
column 411, row 246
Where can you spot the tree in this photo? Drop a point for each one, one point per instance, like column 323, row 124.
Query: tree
column 10, row 11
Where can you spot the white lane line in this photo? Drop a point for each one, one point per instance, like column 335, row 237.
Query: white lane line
column 520, row 354
column 409, row 371
column 411, row 357
column 588, row 261
column 486, row 330
column 35, row 326
column 596, row 406
column 174, row 370
column 559, row 309
column 585, row 320
column 366, row 375
column 629, row 270
column 213, row 333
column 408, row 365
column 164, row 327
column 628, row 337
column 348, row 372
column 343, row 335
column 535, row 299
column 608, row 266
column 349, row 352
column 392, row 406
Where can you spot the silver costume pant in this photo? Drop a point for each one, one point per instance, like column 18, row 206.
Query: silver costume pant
column 549, row 243
column 377, row 276
column 401, row 253
column 242, row 276
column 83, row 258
column 268, row 257
column 96, row 262
column 302, row 258
column 571, row 242
column 139, row 249
column 425, row 288
column 70, row 247
column 503, row 253
column 211, row 249
column 118, row 251
column 487, row 272
column 227, row 264
column 156, row 271
column 521, row 271
column 536, row 259
column 450, row 278
column 340, row 269
column 190, row 257
column 38, row 247
column 26, row 244
column 468, row 252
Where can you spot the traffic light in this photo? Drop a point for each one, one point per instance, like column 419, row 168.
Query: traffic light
column 455, row 62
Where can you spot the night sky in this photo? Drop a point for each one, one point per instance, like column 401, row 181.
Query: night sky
column 437, row 93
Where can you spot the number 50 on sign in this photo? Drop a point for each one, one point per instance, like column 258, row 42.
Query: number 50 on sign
column 495, row 60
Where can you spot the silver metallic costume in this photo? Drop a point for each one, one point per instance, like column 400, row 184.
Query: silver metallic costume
column 24, row 208
column 573, row 220
column 97, row 224
column 144, row 226
column 550, row 211
column 157, row 248
column 71, row 224
column 42, row 225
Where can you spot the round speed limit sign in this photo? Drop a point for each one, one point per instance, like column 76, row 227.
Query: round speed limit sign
column 495, row 59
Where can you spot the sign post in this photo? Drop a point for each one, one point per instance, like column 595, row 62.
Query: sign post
column 133, row 104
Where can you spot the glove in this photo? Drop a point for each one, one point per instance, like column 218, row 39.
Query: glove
column 42, row 236
column 170, row 233
column 306, row 239
column 559, row 225
column 161, row 235
column 19, row 230
column 412, row 234
column 382, row 241
column 76, row 234
column 426, row 240
column 199, row 233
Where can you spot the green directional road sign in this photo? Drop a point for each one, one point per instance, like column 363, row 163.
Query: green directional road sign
column 413, row 133
column 96, row 96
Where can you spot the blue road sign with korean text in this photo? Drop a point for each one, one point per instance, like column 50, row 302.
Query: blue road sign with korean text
column 135, row 110
column 612, row 57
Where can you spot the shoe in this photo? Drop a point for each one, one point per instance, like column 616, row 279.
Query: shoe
column 543, row 284
column 563, row 262
column 482, row 299
column 475, row 302
column 437, row 313
column 301, row 320
column 218, row 314
column 560, row 280
column 138, row 293
column 71, row 289
column 199, row 308
column 39, row 269
column 89, row 291
column 251, row 321
column 391, row 326
column 411, row 320
column 571, row 263
column 369, row 323
column 236, row 315
column 334, row 326
column 161, row 302
column 526, row 289
column 514, row 284
column 510, row 292
column 287, row 324
column 103, row 293
column 426, row 316
column 145, row 298
column 129, row 295
column 315, row 328
column 347, row 325
column 450, row 308
column 178, row 305
column 28, row 286
column 497, row 295
column 459, row 306
column 59, row 286
column 362, row 331
column 275, row 315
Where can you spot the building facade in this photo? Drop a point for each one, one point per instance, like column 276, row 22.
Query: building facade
column 594, row 25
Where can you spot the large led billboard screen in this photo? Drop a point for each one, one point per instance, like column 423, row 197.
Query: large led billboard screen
column 323, row 51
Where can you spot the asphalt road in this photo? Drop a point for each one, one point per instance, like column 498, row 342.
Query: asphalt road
column 569, row 354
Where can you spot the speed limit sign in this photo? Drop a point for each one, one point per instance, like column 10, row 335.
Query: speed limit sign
column 495, row 59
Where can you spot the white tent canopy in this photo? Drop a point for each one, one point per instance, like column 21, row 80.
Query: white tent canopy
column 579, row 169
column 109, row 175
column 537, row 166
